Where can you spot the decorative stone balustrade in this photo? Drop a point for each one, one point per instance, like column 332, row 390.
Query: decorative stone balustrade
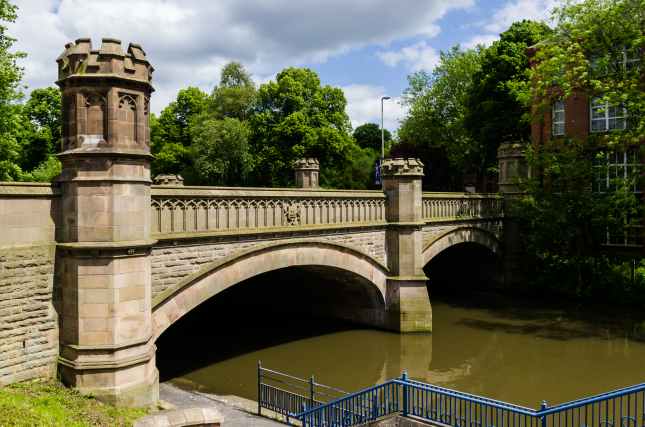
column 459, row 206
column 229, row 210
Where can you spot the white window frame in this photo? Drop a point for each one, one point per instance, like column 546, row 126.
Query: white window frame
column 558, row 127
column 618, row 165
column 606, row 108
column 626, row 62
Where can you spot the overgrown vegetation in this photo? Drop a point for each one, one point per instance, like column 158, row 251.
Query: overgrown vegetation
column 576, row 201
column 466, row 107
column 49, row 403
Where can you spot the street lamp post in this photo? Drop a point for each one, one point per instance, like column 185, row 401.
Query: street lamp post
column 383, row 98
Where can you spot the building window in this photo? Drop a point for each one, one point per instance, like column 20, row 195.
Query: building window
column 557, row 118
column 606, row 116
column 613, row 170
column 620, row 60
column 616, row 167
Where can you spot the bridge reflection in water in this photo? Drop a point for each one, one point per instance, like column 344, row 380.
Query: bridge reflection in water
column 520, row 353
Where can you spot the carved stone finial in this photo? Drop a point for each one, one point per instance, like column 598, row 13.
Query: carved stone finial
column 175, row 180
column 400, row 166
column 307, row 163
column 307, row 171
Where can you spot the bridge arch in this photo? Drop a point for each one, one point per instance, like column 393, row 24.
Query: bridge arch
column 459, row 235
column 220, row 275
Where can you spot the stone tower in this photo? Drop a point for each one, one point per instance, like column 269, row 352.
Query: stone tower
column 106, row 344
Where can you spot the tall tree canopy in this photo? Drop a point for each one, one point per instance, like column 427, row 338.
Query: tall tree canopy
column 435, row 123
column 220, row 151
column 493, row 112
column 235, row 94
column 297, row 117
column 10, row 93
column 170, row 133
column 368, row 135
column 42, row 127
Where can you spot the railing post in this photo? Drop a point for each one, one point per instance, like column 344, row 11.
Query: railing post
column 312, row 391
column 543, row 406
column 259, row 387
column 404, row 379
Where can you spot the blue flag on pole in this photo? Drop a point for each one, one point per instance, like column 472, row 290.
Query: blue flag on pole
column 377, row 173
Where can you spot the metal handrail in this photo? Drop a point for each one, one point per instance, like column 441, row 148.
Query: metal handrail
column 469, row 410
column 472, row 397
column 573, row 404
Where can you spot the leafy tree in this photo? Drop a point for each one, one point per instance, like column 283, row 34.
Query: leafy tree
column 368, row 135
column 493, row 112
column 170, row 132
column 565, row 222
column 435, row 123
column 235, row 94
column 221, row 152
column 10, row 93
column 297, row 117
column 41, row 116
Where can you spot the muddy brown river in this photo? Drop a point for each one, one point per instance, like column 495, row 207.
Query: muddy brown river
column 514, row 352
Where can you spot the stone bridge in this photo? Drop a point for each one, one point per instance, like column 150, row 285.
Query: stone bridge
column 94, row 267
column 208, row 239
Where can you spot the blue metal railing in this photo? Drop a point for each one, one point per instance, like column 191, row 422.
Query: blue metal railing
column 620, row 408
column 289, row 395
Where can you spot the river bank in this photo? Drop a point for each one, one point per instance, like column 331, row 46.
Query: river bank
column 49, row 403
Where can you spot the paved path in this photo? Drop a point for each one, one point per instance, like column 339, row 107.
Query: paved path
column 236, row 411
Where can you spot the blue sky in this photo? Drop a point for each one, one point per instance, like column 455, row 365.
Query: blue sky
column 367, row 47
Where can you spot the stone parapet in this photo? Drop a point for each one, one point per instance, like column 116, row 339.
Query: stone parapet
column 191, row 210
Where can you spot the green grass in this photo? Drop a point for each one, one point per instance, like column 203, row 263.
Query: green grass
column 49, row 403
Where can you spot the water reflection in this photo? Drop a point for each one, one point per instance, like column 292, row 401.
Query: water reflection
column 518, row 354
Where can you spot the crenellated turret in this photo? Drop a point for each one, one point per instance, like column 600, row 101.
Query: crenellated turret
column 79, row 59
column 106, row 95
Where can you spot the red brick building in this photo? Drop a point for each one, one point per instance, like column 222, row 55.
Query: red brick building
column 580, row 116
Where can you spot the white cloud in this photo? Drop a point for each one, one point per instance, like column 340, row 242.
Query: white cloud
column 419, row 56
column 516, row 10
column 481, row 39
column 187, row 41
column 364, row 106
column 511, row 11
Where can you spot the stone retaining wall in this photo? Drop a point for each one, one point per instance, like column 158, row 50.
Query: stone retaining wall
column 28, row 321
